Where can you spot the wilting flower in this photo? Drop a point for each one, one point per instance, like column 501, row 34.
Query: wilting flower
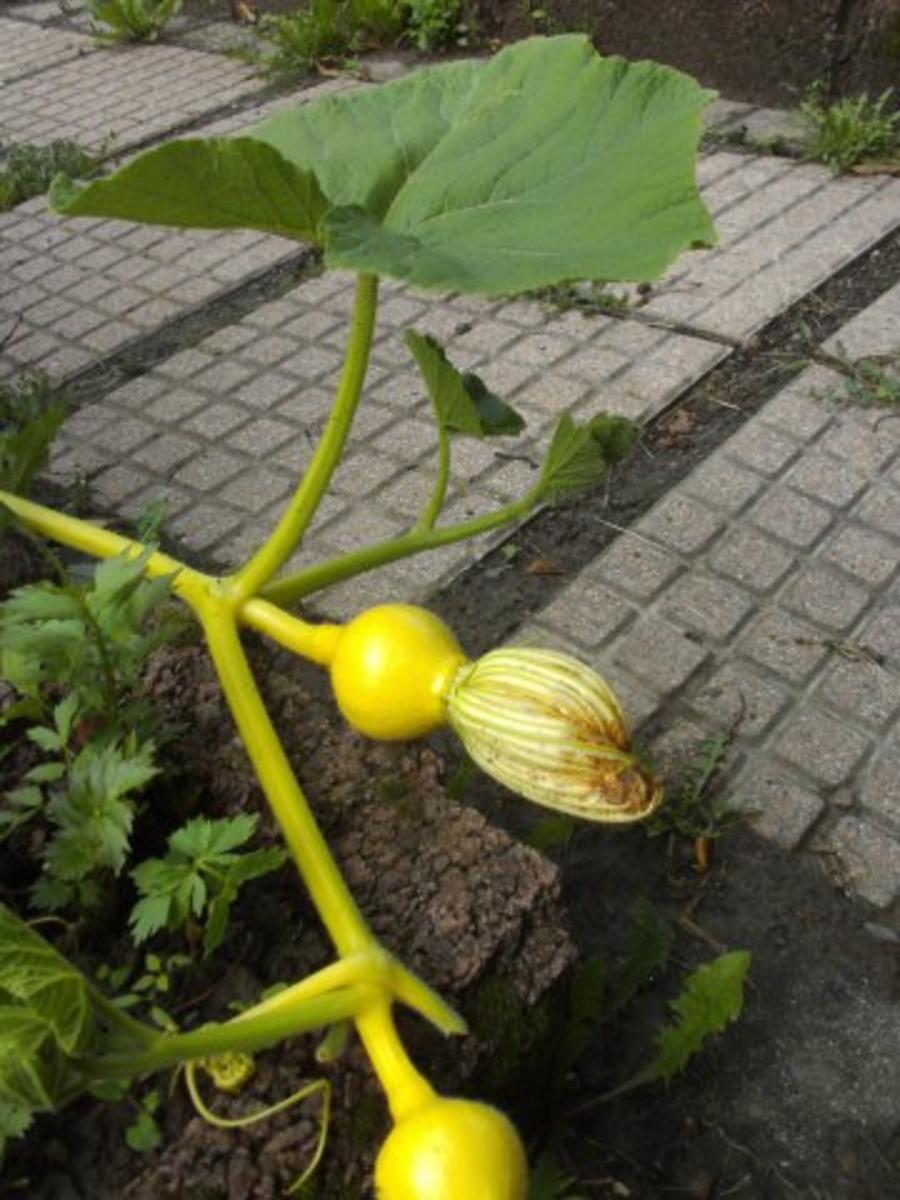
column 551, row 729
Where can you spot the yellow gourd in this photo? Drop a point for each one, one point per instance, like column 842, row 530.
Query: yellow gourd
column 391, row 669
column 452, row 1150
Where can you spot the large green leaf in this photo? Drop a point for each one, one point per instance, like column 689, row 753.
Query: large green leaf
column 216, row 183
column 542, row 164
column 580, row 456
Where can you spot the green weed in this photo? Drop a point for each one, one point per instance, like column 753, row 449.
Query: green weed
column 436, row 24
column 29, row 421
column 302, row 39
column 131, row 20
column 851, row 130
column 27, row 170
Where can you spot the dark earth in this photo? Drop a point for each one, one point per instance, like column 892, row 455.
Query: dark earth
column 801, row 1098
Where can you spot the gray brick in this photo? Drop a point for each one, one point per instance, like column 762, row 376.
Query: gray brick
column 268, row 391
column 166, row 452
column 752, row 559
column 825, row 750
column 658, row 654
column 257, row 490
column 587, row 613
column 784, row 645
column 882, row 634
column 861, row 691
column 634, row 567
column 880, row 507
column 863, row 553
column 854, row 442
column 869, row 859
column 738, row 695
column 708, row 606
column 782, row 811
column 681, row 524
column 175, row 405
column 114, row 484
column 822, row 595
column 724, row 485
column 540, row 349
column 791, row 517
column 881, row 789
column 202, row 525
column 762, row 448
column 214, row 421
column 262, row 436
column 209, row 470
column 828, row 479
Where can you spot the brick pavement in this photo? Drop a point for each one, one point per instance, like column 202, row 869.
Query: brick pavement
column 222, row 429
column 25, row 49
column 766, row 588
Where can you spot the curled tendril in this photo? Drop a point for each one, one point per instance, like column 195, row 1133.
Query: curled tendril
column 309, row 1089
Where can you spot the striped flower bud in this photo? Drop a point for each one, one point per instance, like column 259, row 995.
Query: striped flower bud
column 548, row 727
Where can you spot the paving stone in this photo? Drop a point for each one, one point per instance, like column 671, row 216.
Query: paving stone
column 881, row 788
column 762, row 448
column 783, row 644
column 822, row 595
column 708, row 606
column 822, row 748
column 659, row 655
column 869, row 859
column 588, row 614
column 882, row 634
column 635, row 568
column 791, row 517
column 723, row 485
column 26, row 48
column 751, row 559
column 828, row 479
column 739, row 696
column 128, row 96
column 681, row 524
column 781, row 810
column 863, row 553
column 862, row 691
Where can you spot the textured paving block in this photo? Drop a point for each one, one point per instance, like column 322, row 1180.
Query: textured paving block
column 780, row 809
column 26, row 48
column 825, row 750
column 784, row 228
column 70, row 301
column 867, row 859
column 126, row 94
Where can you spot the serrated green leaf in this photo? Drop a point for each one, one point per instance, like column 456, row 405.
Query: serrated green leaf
column 148, row 916
column 712, row 997
column 462, row 403
column 202, row 838
column 47, row 772
column 580, row 456
column 24, row 453
column 39, row 602
column 217, row 920
column 63, row 716
column 212, row 183
column 48, row 739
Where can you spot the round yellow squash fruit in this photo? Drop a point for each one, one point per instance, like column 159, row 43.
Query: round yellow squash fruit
column 391, row 669
column 452, row 1150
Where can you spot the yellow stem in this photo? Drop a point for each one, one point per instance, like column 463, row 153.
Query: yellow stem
column 326, row 885
column 314, row 642
column 405, row 1087
column 103, row 543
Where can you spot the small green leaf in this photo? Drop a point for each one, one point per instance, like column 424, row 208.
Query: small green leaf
column 63, row 716
column 50, row 772
column 581, row 455
column 462, row 403
column 712, row 997
column 48, row 739
column 144, row 1134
